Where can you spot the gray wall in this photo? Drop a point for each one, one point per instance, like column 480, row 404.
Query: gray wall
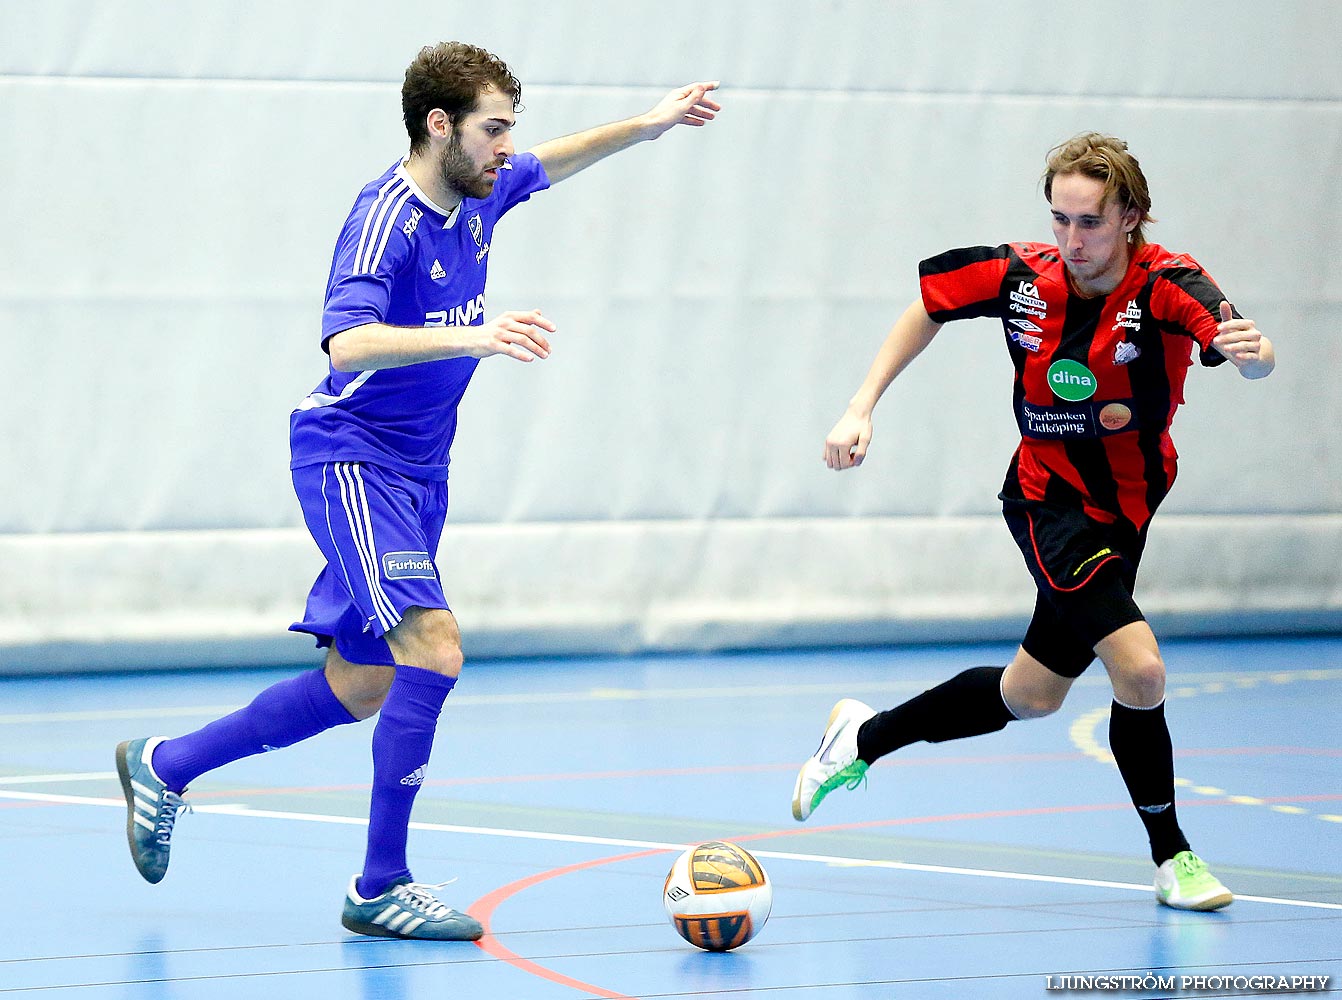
column 175, row 176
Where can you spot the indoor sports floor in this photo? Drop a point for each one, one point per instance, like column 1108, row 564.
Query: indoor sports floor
column 560, row 791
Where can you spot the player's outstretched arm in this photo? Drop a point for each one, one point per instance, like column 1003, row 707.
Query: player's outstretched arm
column 1244, row 347
column 519, row 335
column 688, row 105
column 846, row 444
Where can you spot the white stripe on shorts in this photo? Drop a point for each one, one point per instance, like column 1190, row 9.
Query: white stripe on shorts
column 355, row 502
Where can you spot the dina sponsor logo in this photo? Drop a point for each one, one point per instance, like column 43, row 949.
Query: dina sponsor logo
column 407, row 566
column 1071, row 380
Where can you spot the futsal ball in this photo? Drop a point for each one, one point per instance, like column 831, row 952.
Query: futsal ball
column 717, row 896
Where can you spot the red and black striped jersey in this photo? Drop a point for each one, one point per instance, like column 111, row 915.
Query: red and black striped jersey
column 1097, row 379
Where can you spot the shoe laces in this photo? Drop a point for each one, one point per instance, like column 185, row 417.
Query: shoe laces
column 1189, row 864
column 420, row 896
column 850, row 777
column 168, row 808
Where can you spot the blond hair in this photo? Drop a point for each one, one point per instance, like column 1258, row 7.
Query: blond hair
column 1106, row 159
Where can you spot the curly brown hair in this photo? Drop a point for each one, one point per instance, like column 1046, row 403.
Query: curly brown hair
column 1107, row 160
column 451, row 76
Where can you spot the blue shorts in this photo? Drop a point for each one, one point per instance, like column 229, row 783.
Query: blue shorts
column 379, row 532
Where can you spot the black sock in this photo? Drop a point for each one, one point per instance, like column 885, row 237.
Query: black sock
column 1140, row 742
column 969, row 704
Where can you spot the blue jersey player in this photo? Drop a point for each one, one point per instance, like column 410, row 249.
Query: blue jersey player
column 404, row 326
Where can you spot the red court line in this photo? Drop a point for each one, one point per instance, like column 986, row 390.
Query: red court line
column 483, row 908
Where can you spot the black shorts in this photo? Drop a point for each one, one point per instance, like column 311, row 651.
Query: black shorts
column 1084, row 572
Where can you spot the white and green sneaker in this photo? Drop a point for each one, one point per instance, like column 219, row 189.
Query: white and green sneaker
column 835, row 761
column 407, row 910
column 1184, row 883
column 151, row 810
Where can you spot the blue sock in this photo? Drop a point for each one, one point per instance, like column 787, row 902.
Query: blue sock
column 279, row 716
column 402, row 742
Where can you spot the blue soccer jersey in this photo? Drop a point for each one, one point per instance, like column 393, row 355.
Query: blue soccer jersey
column 403, row 261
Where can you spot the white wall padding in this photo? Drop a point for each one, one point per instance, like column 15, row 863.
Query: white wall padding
column 175, row 176
column 624, row 586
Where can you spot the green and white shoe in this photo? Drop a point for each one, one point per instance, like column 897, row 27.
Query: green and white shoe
column 1184, row 883
column 835, row 761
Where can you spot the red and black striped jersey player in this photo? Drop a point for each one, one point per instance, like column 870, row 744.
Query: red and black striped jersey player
column 1102, row 329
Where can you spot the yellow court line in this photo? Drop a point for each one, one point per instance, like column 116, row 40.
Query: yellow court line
column 1083, row 731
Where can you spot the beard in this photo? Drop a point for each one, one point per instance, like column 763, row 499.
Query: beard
column 460, row 174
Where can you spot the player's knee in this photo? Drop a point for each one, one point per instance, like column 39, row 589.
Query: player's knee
column 1034, row 704
column 361, row 688
column 1140, row 681
column 428, row 638
column 445, row 658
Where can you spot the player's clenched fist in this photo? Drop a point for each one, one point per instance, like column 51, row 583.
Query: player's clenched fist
column 846, row 444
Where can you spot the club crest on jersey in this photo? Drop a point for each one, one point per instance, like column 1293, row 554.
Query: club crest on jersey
column 477, row 229
column 1125, row 351
column 1024, row 334
column 1025, row 299
column 1129, row 319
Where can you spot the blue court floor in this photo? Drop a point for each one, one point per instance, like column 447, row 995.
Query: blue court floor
column 560, row 792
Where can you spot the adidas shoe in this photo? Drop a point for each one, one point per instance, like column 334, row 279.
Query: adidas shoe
column 407, row 910
column 1184, row 883
column 835, row 762
column 151, row 810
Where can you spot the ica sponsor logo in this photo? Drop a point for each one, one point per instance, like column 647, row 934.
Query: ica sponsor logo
column 407, row 566
column 1025, row 299
column 1071, row 380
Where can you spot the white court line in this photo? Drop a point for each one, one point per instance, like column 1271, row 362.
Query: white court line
column 40, row 779
column 234, row 809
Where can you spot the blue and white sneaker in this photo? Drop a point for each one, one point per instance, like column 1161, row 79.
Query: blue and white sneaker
column 151, row 810
column 407, row 910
